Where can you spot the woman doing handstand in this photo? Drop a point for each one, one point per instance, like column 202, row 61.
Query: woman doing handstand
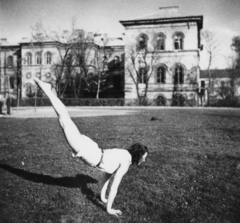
column 111, row 161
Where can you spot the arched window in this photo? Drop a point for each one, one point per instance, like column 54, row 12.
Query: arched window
column 142, row 75
column 38, row 58
column 69, row 60
column 178, row 74
column 161, row 101
column 29, row 59
column 178, row 100
column 160, row 41
column 116, row 60
column 142, row 42
column 10, row 61
column 178, row 41
column 161, row 75
column 48, row 58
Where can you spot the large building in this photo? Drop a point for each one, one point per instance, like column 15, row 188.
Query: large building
column 157, row 59
column 162, row 55
column 10, row 68
column 59, row 60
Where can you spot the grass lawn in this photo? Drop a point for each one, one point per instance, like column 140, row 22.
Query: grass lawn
column 192, row 173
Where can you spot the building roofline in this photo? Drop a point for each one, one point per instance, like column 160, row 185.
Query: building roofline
column 198, row 19
column 55, row 42
column 44, row 42
column 9, row 45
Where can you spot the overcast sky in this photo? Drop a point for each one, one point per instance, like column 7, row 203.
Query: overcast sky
column 17, row 17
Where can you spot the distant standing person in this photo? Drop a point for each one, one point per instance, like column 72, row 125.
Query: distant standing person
column 110, row 161
column 1, row 104
column 8, row 103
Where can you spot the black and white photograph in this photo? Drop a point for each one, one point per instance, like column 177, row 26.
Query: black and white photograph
column 119, row 111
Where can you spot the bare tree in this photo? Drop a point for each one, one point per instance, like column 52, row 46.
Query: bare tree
column 37, row 43
column 83, row 54
column 64, row 64
column 228, row 90
column 17, row 76
column 96, row 80
column 211, row 45
column 140, row 66
column 236, row 47
column 72, row 47
column 12, row 71
column 78, row 58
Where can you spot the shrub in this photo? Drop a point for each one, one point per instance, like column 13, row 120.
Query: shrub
column 71, row 102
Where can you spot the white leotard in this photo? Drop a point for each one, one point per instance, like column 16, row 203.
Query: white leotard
column 90, row 153
column 112, row 159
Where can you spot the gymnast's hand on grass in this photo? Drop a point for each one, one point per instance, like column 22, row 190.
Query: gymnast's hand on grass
column 115, row 212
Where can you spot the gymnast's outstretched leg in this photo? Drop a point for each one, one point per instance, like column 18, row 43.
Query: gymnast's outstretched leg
column 70, row 130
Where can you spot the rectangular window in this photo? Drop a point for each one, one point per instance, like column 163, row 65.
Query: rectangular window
column 11, row 80
column 178, row 42
column 10, row 61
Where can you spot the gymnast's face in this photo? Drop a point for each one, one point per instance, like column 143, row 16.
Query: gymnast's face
column 143, row 159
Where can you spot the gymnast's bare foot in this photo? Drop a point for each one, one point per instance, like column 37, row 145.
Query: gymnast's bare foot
column 43, row 85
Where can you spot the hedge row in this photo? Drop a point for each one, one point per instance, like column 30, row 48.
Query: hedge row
column 71, row 102
column 124, row 102
column 225, row 102
column 103, row 102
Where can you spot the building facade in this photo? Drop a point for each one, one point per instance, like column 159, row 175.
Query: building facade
column 157, row 59
column 162, row 55
column 55, row 60
column 10, row 68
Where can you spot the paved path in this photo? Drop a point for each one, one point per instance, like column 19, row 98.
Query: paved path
column 47, row 112
column 77, row 111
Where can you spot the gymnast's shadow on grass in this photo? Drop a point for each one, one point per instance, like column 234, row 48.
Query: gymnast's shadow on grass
column 79, row 181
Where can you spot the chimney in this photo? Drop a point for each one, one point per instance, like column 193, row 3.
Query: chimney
column 79, row 33
column 3, row 40
column 79, row 30
column 90, row 36
column 53, row 34
column 105, row 35
column 25, row 40
column 170, row 9
column 64, row 35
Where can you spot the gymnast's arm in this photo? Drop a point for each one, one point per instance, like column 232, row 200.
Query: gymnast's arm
column 121, row 171
column 104, row 185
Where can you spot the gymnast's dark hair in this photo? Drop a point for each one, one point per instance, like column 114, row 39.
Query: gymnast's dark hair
column 137, row 150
